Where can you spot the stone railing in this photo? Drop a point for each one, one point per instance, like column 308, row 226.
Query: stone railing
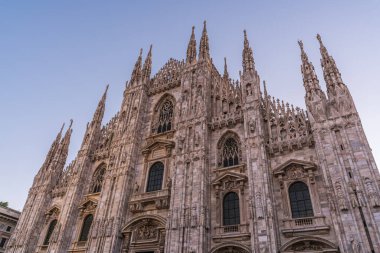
column 161, row 200
column 239, row 228
column 305, row 224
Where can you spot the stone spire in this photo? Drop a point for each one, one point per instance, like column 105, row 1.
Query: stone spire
column 331, row 73
column 225, row 75
column 191, row 53
column 64, row 148
column 136, row 73
column 98, row 115
column 147, row 68
column 248, row 62
column 310, row 79
column 204, row 49
column 53, row 148
column 315, row 98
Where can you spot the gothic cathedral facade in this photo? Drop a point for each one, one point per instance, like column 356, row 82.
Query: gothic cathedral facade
column 196, row 162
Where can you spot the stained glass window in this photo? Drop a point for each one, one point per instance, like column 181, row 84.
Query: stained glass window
column 300, row 201
column 86, row 228
column 97, row 179
column 49, row 232
column 231, row 210
column 230, row 153
column 165, row 118
column 156, row 174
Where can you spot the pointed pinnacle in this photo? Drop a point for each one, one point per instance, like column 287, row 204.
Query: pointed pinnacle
column 300, row 43
column 265, row 89
column 225, row 75
column 191, row 53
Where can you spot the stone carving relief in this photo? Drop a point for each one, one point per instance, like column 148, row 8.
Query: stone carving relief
column 146, row 232
column 374, row 198
column 340, row 195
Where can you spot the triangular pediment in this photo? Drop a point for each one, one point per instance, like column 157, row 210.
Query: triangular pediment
column 294, row 163
column 158, row 144
column 87, row 202
column 229, row 176
column 53, row 210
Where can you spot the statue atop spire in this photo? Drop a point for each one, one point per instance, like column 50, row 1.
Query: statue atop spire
column 248, row 62
column 147, row 68
column 225, row 75
column 204, row 49
column 136, row 73
column 191, row 53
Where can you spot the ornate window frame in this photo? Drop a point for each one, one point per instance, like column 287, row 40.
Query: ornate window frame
column 224, row 184
column 96, row 186
column 157, row 114
column 145, row 233
column 291, row 172
column 220, row 149
column 51, row 215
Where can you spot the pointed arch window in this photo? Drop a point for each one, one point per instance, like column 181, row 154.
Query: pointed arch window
column 49, row 232
column 231, row 210
column 87, row 222
column 97, row 179
column 230, row 153
column 165, row 117
column 156, row 174
column 300, row 201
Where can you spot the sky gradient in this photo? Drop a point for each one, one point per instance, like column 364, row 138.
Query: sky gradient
column 56, row 58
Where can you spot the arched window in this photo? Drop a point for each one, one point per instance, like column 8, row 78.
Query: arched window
column 165, row 117
column 97, row 179
column 231, row 210
column 300, row 201
column 230, row 153
column 86, row 228
column 156, row 174
column 49, row 232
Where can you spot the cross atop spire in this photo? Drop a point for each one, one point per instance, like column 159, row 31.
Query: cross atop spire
column 147, row 68
column 136, row 73
column 248, row 62
column 191, row 53
column 225, row 75
column 204, row 49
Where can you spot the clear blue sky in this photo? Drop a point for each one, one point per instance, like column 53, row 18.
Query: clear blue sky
column 56, row 58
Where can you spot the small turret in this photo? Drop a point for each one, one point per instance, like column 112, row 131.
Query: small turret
column 191, row 53
column 204, row 49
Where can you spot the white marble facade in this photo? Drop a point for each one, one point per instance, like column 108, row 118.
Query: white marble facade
column 197, row 162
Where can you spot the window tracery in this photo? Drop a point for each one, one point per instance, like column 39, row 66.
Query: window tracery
column 230, row 153
column 164, row 121
column 97, row 179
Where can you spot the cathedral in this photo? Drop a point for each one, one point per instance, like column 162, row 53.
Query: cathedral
column 195, row 162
